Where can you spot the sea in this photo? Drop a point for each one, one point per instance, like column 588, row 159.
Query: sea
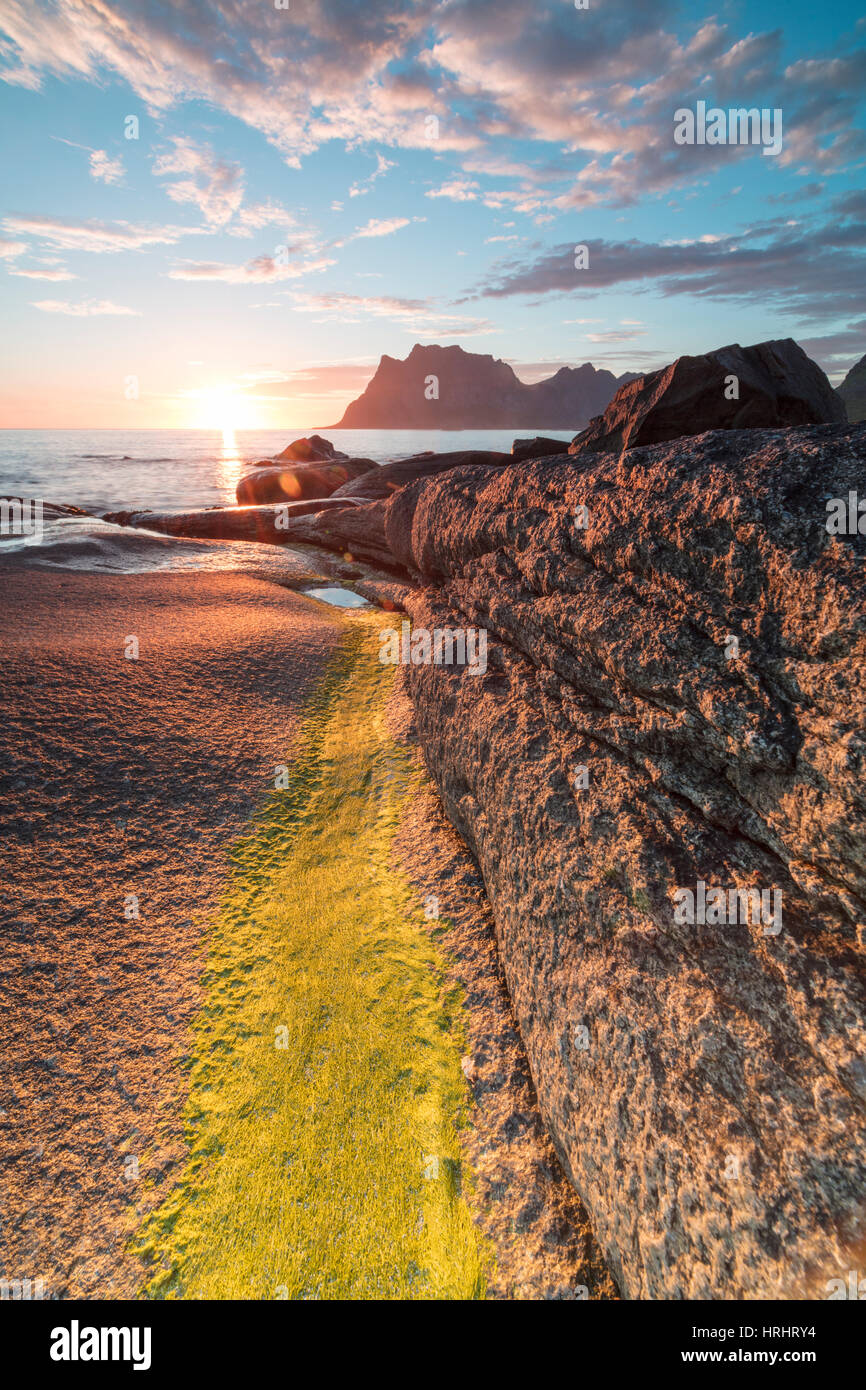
column 170, row 470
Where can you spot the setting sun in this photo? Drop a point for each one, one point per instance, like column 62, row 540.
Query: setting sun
column 223, row 408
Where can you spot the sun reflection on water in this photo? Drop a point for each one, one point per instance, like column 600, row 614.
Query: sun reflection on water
column 229, row 466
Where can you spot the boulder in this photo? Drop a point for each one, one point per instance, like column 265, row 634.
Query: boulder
column 776, row 384
column 312, row 450
column 292, row 483
column 537, row 448
column 254, row 523
column 673, row 702
column 392, row 476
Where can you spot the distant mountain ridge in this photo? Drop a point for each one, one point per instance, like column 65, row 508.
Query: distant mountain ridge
column 476, row 391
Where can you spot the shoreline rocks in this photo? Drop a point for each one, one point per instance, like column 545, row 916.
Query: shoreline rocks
column 767, row 386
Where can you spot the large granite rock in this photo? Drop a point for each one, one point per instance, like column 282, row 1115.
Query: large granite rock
column 776, row 384
column 294, row 482
column 853, row 392
column 674, row 696
column 392, row 476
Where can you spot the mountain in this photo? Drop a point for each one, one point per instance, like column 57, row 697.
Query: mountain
column 853, row 392
column 475, row 391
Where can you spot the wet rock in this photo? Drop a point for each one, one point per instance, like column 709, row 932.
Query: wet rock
column 264, row 524
column 775, row 384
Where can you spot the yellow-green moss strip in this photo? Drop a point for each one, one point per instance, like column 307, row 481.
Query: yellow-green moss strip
column 326, row 1073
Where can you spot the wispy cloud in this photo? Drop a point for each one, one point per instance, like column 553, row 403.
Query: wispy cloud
column 363, row 186
column 99, row 237
column 413, row 315
column 86, row 309
column 262, row 269
column 45, row 274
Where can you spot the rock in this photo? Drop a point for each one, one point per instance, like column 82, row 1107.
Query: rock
column 475, row 391
column 290, row 484
column 704, row 1085
column 853, row 392
column 537, row 448
column 259, row 523
column 392, row 476
column 312, row 450
column 777, row 385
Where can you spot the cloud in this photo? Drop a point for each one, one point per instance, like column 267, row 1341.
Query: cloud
column 806, row 271
column 102, row 167
column 458, row 190
column 363, row 186
column 600, row 84
column 215, row 186
column 45, row 274
column 11, row 248
column 87, row 309
column 263, row 269
column 105, row 169
column 414, row 315
column 380, row 227
column 100, row 237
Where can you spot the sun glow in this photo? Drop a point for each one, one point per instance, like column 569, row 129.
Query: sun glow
column 225, row 409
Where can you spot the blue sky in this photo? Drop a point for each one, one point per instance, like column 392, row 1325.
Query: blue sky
column 313, row 187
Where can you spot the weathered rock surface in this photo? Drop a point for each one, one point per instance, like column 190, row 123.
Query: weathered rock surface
column 705, row 1085
column 777, row 385
column 537, row 448
column 392, row 476
column 291, row 483
column 853, row 391
column 263, row 524
column 475, row 391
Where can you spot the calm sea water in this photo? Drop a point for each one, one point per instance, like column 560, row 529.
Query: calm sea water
column 162, row 470
column 106, row 470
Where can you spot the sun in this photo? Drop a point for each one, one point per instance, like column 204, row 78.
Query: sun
column 225, row 409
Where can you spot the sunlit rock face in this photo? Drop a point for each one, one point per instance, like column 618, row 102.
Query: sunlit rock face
column 672, row 711
column 761, row 387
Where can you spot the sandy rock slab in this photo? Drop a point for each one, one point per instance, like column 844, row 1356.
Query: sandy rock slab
column 123, row 783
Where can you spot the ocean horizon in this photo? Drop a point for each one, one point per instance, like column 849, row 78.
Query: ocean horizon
column 106, row 470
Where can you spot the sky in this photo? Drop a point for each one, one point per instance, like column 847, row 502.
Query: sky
column 221, row 214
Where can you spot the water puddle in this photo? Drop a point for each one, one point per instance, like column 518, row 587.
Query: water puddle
column 339, row 598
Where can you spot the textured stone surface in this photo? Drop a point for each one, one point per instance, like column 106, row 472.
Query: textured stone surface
column 711, row 1116
column 391, row 476
column 777, row 385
